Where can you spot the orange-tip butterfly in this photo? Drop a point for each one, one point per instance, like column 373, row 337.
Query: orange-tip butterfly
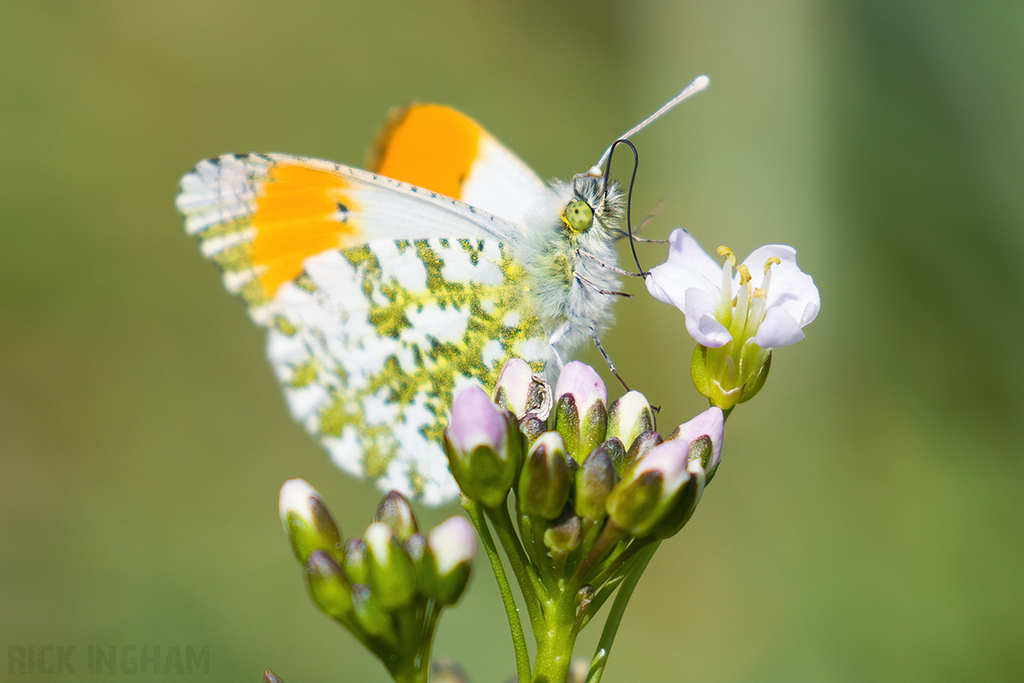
column 383, row 291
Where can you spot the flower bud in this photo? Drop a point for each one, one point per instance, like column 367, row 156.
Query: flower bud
column 392, row 575
column 563, row 537
column 447, row 671
column 448, row 558
column 581, row 415
column 482, row 446
column 395, row 511
column 546, row 478
column 414, row 547
column 355, row 565
column 629, row 417
column 649, row 488
column 328, row 587
column 594, row 481
column 308, row 522
column 372, row 618
column 705, row 433
column 640, row 448
column 522, row 392
column 531, row 427
column 681, row 508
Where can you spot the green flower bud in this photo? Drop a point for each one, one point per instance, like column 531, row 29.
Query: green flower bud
column 531, row 427
column 355, row 566
column 594, row 481
column 447, row 671
column 328, row 587
column 562, row 538
column 371, row 616
column 681, row 508
column 629, row 417
column 641, row 447
column 705, row 433
column 546, row 478
column 395, row 511
column 581, row 415
column 448, row 558
column 648, row 491
column 308, row 522
column 414, row 547
column 483, row 448
column 392, row 575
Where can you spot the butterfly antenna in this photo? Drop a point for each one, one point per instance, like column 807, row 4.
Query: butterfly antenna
column 629, row 194
column 699, row 84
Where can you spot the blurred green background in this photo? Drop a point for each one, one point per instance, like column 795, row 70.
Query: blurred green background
column 867, row 520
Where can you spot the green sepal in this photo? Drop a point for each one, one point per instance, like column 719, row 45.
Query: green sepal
column 371, row 617
column 395, row 511
column 680, row 508
column 546, row 478
column 320, row 533
column 328, row 587
column 392, row 574
column 595, row 480
column 633, row 503
column 567, row 422
column 593, row 429
column 484, row 474
column 355, row 561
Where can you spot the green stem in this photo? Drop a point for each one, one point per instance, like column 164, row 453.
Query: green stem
column 611, row 625
column 511, row 611
column 526, row 574
column 555, row 643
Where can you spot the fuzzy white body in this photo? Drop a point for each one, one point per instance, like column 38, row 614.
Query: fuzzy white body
column 570, row 282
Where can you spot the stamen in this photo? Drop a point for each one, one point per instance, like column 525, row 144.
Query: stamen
column 759, row 293
column 767, row 281
column 744, row 274
column 739, row 314
column 725, row 302
column 727, row 254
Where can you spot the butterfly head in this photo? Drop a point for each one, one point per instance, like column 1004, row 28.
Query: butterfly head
column 593, row 201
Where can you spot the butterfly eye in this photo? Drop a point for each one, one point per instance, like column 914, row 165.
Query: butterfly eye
column 578, row 215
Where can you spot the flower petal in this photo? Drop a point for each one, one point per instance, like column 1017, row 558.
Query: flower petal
column 778, row 329
column 711, row 423
column 794, row 291
column 688, row 266
column 699, row 308
column 755, row 262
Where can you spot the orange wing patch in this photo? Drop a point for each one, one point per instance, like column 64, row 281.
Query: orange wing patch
column 300, row 211
column 430, row 146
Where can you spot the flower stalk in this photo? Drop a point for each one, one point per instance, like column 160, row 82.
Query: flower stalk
column 595, row 492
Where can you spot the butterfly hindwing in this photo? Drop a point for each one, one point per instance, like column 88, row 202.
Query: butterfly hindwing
column 379, row 338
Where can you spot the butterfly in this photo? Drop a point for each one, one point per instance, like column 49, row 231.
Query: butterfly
column 385, row 290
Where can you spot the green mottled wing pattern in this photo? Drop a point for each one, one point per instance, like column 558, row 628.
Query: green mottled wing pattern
column 378, row 337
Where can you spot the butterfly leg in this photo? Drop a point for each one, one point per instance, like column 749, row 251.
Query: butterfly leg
column 611, row 365
column 553, row 341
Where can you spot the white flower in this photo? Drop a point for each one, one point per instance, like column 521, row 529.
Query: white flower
column 767, row 300
column 736, row 317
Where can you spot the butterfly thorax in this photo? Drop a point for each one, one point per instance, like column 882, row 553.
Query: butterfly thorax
column 570, row 280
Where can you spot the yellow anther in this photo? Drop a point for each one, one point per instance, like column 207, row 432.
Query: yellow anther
column 726, row 253
column 744, row 274
column 758, row 293
column 773, row 260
